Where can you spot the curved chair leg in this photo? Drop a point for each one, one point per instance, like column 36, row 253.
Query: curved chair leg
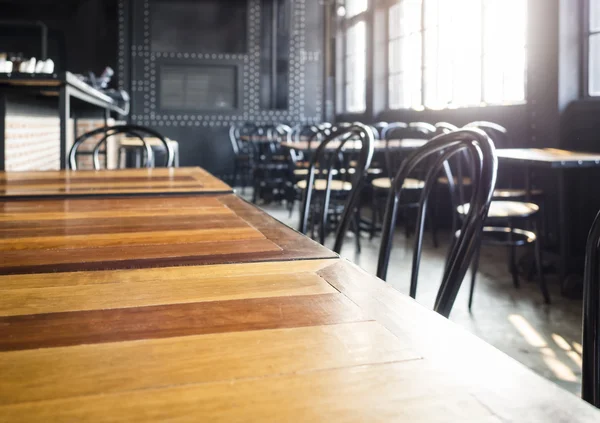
column 373, row 214
column 540, row 265
column 474, row 270
column 235, row 174
column 357, row 229
column 512, row 259
column 433, row 228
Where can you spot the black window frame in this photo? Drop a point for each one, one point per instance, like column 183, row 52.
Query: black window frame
column 586, row 34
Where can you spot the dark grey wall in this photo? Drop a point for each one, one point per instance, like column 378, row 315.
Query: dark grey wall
column 82, row 33
column 203, row 136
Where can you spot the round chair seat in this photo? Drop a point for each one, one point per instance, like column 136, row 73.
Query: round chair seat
column 321, row 185
column 516, row 193
column 465, row 180
column 386, row 183
column 505, row 209
column 506, row 236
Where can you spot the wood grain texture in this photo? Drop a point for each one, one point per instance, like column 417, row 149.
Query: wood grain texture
column 127, row 366
column 120, row 233
column 109, row 182
column 101, row 326
column 510, row 390
column 78, row 291
column 407, row 391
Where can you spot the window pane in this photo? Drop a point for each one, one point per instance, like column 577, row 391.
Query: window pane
column 394, row 92
column 410, row 17
column 394, row 56
column 355, row 7
column 394, row 21
column 356, row 67
column 405, row 55
column 594, row 67
column 504, row 51
column 595, row 15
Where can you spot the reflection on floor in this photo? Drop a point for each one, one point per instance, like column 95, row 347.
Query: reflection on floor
column 547, row 339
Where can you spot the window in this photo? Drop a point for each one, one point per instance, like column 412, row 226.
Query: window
column 354, row 57
column 456, row 53
column 594, row 48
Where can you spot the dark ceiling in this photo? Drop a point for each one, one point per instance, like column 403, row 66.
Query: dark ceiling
column 49, row 9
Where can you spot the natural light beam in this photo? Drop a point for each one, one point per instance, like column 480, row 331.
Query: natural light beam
column 532, row 337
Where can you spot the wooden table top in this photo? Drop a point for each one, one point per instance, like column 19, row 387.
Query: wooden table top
column 403, row 144
column 136, row 232
column 549, row 157
column 81, row 183
column 309, row 340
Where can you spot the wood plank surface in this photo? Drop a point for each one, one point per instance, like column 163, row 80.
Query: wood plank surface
column 127, row 366
column 126, row 324
column 206, row 309
column 69, row 235
column 78, row 291
column 193, row 180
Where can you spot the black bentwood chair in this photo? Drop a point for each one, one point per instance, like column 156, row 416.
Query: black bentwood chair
column 590, row 372
column 437, row 153
column 134, row 131
column 326, row 160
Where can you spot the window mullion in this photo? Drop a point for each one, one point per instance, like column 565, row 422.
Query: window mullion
column 423, row 52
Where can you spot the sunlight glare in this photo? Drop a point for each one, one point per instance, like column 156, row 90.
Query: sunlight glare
column 532, row 337
column 561, row 342
column 560, row 370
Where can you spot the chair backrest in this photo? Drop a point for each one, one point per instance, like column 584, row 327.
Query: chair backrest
column 423, row 128
column 322, row 155
column 283, row 132
column 444, row 128
column 379, row 127
column 590, row 372
column 393, row 129
column 135, row 131
column 400, row 130
column 482, row 152
column 234, row 135
column 497, row 133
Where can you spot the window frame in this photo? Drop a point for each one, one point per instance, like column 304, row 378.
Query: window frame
column 345, row 24
column 586, row 35
column 387, row 4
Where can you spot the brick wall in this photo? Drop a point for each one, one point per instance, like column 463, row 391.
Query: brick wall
column 32, row 143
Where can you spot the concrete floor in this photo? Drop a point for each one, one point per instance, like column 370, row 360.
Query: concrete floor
column 547, row 339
